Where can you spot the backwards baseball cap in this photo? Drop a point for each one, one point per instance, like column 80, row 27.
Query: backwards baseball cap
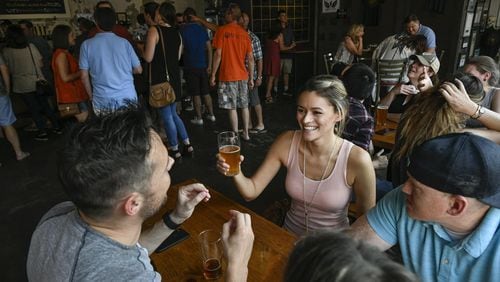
column 428, row 59
column 461, row 164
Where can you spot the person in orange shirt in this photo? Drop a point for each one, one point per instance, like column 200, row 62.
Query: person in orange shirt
column 232, row 45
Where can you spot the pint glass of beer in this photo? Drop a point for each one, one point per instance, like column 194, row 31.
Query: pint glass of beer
column 381, row 115
column 211, row 253
column 229, row 149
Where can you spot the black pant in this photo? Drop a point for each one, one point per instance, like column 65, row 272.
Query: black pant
column 38, row 104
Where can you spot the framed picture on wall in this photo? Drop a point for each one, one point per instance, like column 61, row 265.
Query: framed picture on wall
column 34, row 9
column 468, row 24
column 465, row 42
column 478, row 14
column 471, row 5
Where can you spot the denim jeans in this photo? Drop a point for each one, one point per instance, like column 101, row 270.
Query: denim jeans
column 173, row 125
column 37, row 105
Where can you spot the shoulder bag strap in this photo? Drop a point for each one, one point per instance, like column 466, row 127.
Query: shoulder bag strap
column 164, row 53
column 33, row 60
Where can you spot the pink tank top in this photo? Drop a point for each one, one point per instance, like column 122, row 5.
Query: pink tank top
column 329, row 207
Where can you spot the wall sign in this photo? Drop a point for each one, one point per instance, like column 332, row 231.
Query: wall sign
column 330, row 6
column 21, row 9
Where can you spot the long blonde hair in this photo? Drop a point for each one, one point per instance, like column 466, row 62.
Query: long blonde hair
column 428, row 116
column 353, row 30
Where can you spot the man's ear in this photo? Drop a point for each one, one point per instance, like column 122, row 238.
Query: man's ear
column 458, row 205
column 133, row 203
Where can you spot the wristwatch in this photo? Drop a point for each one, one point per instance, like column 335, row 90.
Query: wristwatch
column 168, row 221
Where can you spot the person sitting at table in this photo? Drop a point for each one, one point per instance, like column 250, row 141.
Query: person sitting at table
column 486, row 69
column 413, row 26
column 335, row 256
column 446, row 217
column 417, row 125
column 359, row 81
column 115, row 170
column 323, row 169
column 352, row 45
column 422, row 75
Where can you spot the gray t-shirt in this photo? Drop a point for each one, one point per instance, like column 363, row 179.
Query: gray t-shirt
column 64, row 248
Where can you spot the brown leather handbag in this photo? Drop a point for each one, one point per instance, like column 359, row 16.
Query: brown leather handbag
column 161, row 94
column 68, row 110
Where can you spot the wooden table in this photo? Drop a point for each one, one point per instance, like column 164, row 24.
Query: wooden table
column 385, row 136
column 182, row 262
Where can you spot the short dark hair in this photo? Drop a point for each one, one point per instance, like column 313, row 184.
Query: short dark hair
column 27, row 23
column 411, row 18
column 104, row 2
column 234, row 10
column 359, row 81
column 105, row 18
column 141, row 19
column 60, row 35
column 86, row 23
column 105, row 158
column 15, row 38
column 331, row 256
column 150, row 9
column 274, row 30
column 472, row 85
column 280, row 11
column 167, row 12
column 188, row 12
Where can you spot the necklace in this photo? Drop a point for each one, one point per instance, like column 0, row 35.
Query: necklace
column 306, row 204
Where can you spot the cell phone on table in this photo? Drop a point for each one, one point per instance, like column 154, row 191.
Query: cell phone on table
column 176, row 237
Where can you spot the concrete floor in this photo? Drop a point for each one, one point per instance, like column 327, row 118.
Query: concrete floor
column 31, row 187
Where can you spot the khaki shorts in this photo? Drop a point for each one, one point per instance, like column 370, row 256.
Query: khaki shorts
column 233, row 94
column 286, row 66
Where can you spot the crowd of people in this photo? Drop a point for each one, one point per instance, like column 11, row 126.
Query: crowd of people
column 441, row 200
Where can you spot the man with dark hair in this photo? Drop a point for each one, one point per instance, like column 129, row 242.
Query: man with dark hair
column 197, row 65
column 117, row 29
column 446, row 216
column 331, row 256
column 286, row 59
column 232, row 47
column 413, row 27
column 114, row 169
column 110, row 61
column 359, row 82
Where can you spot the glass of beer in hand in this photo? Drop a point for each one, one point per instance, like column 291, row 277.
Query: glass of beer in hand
column 211, row 253
column 229, row 150
column 381, row 115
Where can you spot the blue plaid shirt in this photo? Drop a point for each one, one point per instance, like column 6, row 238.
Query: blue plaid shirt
column 359, row 124
column 257, row 52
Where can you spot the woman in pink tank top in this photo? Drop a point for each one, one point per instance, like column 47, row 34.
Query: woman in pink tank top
column 323, row 170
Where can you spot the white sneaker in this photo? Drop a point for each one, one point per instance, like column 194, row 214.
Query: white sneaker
column 210, row 118
column 197, row 121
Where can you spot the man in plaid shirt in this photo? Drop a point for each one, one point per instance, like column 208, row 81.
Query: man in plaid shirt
column 359, row 81
column 254, row 93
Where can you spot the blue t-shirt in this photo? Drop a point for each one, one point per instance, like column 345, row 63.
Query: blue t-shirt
column 430, row 252
column 109, row 60
column 194, row 39
column 429, row 34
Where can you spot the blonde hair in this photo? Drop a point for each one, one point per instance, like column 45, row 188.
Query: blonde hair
column 428, row 116
column 355, row 28
column 333, row 90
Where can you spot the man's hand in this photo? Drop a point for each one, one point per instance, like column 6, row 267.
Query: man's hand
column 237, row 237
column 250, row 84
column 258, row 82
column 212, row 80
column 408, row 89
column 189, row 196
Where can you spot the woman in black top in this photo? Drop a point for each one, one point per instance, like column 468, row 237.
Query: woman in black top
column 154, row 54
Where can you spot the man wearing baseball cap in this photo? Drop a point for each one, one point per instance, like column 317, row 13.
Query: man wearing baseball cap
column 446, row 217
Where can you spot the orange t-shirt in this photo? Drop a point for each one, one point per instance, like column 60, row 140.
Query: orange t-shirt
column 235, row 44
column 72, row 91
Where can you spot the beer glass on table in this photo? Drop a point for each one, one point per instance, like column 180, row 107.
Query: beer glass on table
column 211, row 253
column 229, row 149
column 381, row 115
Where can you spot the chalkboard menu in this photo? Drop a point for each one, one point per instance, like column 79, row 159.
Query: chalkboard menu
column 33, row 8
